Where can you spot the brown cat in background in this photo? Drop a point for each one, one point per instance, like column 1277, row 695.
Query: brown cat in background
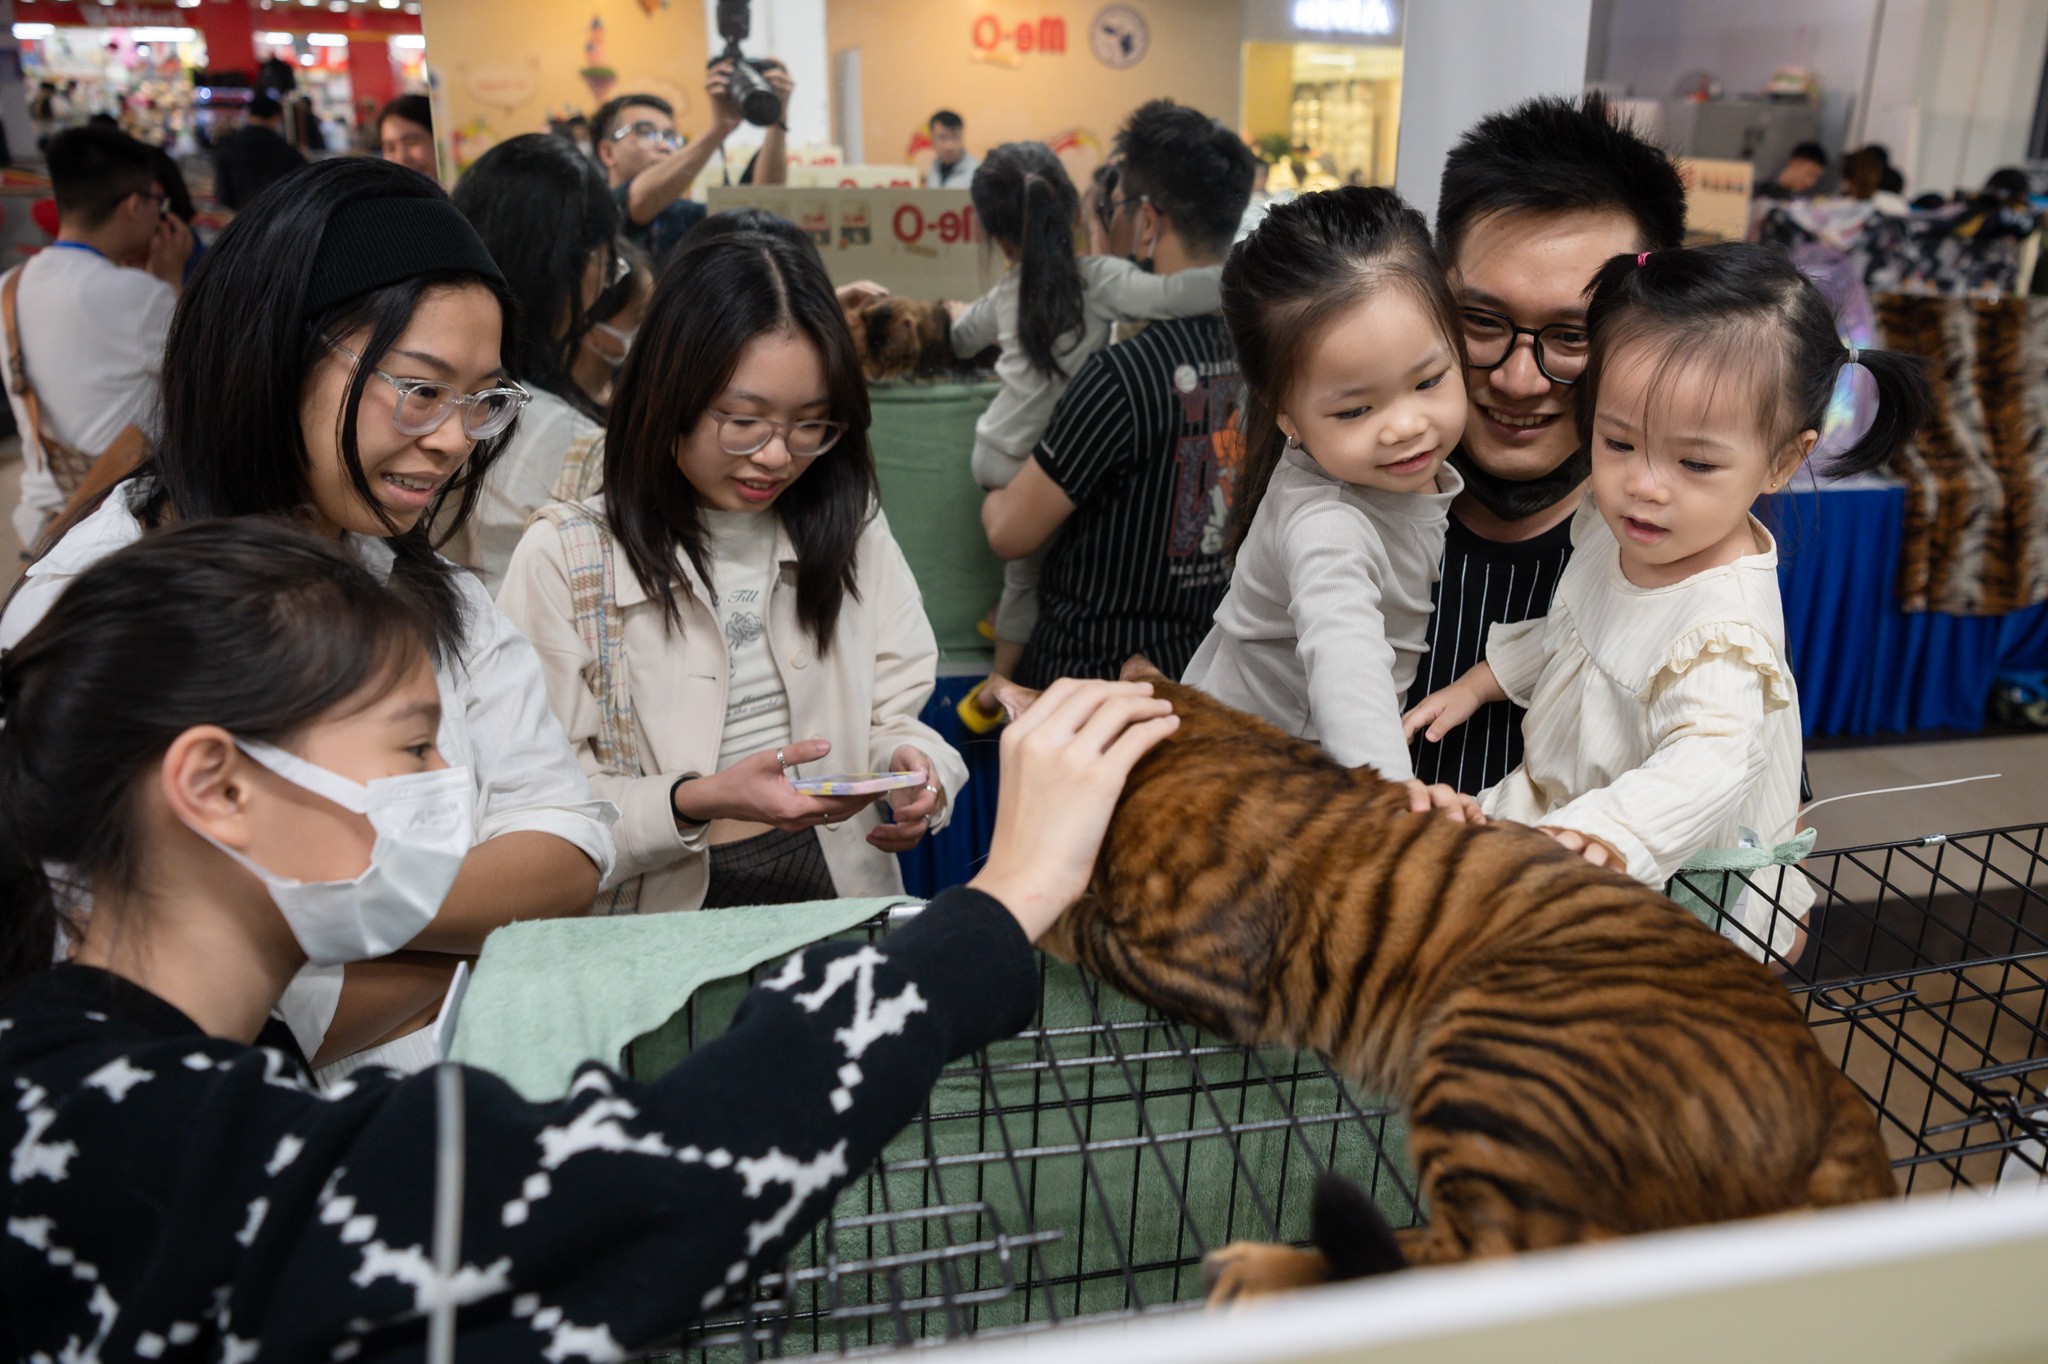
column 896, row 338
column 1579, row 1057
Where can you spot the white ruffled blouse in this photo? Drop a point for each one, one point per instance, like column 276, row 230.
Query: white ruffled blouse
column 1662, row 721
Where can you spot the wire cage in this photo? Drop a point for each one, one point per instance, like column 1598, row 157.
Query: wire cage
column 1084, row 1167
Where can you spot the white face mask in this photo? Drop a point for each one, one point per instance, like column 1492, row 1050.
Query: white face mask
column 425, row 823
column 624, row 338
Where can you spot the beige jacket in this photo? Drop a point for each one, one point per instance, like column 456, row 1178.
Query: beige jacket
column 864, row 696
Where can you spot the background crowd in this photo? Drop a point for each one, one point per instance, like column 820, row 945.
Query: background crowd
column 598, row 575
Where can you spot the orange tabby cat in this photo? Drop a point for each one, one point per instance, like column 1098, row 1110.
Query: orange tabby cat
column 1578, row 1056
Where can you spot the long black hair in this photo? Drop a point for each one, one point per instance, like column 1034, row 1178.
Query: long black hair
column 242, row 346
column 1025, row 200
column 542, row 208
column 1307, row 261
column 726, row 222
column 1744, row 310
column 250, row 624
column 711, row 300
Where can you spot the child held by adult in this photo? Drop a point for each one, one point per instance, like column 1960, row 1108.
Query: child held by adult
column 1663, row 718
column 1348, row 338
column 1047, row 316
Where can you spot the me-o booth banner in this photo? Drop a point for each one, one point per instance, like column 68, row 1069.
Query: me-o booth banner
column 922, row 243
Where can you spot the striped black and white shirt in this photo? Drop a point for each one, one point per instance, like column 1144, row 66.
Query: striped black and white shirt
column 1146, row 443
column 1482, row 584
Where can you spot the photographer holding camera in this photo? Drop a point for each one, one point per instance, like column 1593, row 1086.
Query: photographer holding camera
column 652, row 166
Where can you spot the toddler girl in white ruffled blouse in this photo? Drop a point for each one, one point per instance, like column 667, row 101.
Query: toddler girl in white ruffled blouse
column 1663, row 720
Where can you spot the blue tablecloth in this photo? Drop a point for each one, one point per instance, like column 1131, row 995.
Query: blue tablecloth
column 953, row 854
column 1863, row 665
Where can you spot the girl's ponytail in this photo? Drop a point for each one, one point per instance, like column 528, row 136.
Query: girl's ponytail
column 1737, row 307
column 1264, row 442
column 1903, row 402
column 1024, row 198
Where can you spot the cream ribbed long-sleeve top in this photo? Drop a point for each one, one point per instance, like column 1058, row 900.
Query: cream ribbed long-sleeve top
column 1662, row 721
column 1328, row 611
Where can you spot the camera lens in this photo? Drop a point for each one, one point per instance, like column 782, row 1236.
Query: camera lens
column 759, row 104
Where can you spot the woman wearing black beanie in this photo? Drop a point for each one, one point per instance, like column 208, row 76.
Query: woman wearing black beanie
column 341, row 358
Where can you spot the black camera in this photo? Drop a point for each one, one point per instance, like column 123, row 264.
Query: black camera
column 759, row 104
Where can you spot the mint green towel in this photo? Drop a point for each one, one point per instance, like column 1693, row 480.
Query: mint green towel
column 1718, row 873
column 550, row 994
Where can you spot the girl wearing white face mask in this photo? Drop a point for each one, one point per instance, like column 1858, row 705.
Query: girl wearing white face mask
column 550, row 223
column 341, row 360
column 614, row 326
column 227, row 732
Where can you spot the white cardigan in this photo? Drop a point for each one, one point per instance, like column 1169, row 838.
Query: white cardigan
column 864, row 695
column 1662, row 721
column 1327, row 617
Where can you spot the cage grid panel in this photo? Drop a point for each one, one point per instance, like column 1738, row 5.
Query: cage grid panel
column 1083, row 1168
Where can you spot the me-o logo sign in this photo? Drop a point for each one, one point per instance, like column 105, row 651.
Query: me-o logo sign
column 952, row 227
column 1048, row 34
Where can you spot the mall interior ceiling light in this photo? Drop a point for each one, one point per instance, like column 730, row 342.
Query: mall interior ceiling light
column 22, row 31
column 163, row 35
column 327, row 39
column 1367, row 18
column 416, row 42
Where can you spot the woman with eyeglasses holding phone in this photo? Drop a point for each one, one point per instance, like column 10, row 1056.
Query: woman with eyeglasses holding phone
column 731, row 617
column 341, row 358
column 551, row 225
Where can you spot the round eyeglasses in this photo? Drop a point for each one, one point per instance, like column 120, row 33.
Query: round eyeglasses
column 650, row 134
column 425, row 404
column 1491, row 337
column 739, row 436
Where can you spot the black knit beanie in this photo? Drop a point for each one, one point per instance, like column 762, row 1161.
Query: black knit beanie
column 375, row 242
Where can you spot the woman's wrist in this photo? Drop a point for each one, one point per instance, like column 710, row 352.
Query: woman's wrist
column 686, row 800
column 1035, row 906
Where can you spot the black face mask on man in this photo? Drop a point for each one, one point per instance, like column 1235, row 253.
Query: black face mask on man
column 1512, row 499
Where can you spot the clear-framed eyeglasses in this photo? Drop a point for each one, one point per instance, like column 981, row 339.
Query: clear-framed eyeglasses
column 424, row 404
column 1491, row 337
column 652, row 134
column 740, row 436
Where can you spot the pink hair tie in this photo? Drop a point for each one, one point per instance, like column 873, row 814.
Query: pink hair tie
column 1640, row 259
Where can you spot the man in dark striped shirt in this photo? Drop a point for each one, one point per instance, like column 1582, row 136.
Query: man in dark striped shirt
column 1133, row 480
column 1532, row 202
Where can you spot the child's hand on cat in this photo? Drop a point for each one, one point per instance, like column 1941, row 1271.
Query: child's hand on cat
column 1443, row 711
column 1064, row 765
column 1592, row 849
column 1446, row 800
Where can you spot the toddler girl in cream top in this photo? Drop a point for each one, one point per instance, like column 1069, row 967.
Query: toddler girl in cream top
column 1663, row 718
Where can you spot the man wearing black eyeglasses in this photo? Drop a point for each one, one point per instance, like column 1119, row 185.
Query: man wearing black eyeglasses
column 1533, row 201
column 652, row 166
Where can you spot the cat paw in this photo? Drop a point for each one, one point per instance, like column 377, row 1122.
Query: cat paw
column 1253, row 1269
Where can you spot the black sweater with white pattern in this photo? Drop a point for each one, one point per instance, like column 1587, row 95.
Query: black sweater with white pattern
column 176, row 1196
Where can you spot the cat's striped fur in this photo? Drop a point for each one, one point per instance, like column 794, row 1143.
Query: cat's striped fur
column 1579, row 1057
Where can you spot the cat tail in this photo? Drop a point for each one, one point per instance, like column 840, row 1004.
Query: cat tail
column 1351, row 1231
